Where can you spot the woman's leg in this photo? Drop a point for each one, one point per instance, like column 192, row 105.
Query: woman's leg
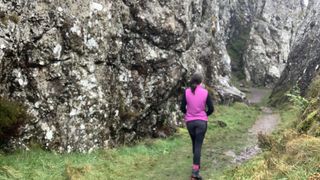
column 200, row 131
column 197, row 130
column 192, row 132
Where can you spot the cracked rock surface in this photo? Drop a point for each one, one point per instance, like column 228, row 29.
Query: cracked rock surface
column 108, row 72
column 102, row 73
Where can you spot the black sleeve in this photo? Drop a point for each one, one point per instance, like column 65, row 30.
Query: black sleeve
column 183, row 103
column 209, row 105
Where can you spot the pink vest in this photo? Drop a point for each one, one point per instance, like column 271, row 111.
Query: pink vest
column 196, row 104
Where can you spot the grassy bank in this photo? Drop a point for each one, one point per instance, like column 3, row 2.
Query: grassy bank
column 152, row 159
column 287, row 154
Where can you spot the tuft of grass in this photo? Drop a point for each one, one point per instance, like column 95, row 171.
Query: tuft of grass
column 74, row 173
column 14, row 18
column 295, row 149
column 10, row 172
column 169, row 158
column 12, row 116
column 5, row 18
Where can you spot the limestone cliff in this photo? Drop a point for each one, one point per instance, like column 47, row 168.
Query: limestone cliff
column 304, row 58
column 101, row 73
column 107, row 72
column 263, row 34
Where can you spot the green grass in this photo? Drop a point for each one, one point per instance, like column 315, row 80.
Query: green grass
column 289, row 117
column 169, row 158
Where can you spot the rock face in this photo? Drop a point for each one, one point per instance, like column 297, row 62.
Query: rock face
column 304, row 58
column 263, row 35
column 270, row 40
column 101, row 73
column 107, row 72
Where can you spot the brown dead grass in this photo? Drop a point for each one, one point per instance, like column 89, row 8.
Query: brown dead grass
column 76, row 173
column 289, row 156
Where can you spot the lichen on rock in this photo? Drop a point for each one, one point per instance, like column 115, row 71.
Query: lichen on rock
column 103, row 73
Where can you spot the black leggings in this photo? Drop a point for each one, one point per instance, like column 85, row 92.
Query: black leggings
column 197, row 130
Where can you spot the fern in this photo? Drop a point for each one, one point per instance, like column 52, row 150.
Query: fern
column 296, row 98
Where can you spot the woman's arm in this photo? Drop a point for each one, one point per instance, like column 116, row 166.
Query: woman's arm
column 183, row 103
column 209, row 105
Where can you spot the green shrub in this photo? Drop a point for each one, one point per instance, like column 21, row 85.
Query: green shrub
column 297, row 99
column 12, row 116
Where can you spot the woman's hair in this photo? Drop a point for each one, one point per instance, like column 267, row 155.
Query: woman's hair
column 196, row 79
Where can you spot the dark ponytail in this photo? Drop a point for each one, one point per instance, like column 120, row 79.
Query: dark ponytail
column 196, row 79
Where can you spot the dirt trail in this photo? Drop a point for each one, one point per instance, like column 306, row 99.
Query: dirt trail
column 256, row 95
column 268, row 120
column 265, row 124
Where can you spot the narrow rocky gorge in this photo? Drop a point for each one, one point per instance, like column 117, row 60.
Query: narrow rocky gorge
column 102, row 73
